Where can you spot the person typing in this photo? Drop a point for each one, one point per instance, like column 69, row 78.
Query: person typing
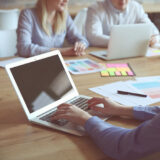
column 117, row 142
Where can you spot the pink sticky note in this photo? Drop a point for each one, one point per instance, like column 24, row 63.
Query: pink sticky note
column 118, row 73
column 123, row 65
column 109, row 65
column 130, row 73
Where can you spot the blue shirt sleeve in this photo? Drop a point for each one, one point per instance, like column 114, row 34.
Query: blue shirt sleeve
column 25, row 46
column 145, row 113
column 72, row 33
column 125, row 144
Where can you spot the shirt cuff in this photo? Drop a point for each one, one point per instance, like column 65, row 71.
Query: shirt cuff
column 85, row 42
column 137, row 112
column 144, row 112
column 41, row 50
column 94, row 124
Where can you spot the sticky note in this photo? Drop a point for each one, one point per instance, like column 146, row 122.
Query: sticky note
column 118, row 73
column 111, row 69
column 156, row 51
column 123, row 73
column 104, row 73
column 117, row 69
column 111, row 73
column 130, row 73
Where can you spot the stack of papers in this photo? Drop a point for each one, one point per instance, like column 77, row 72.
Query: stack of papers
column 153, row 52
column 12, row 60
column 143, row 85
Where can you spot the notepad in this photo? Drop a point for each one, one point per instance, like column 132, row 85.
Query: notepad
column 116, row 69
column 153, row 52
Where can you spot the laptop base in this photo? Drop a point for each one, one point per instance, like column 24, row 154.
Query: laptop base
column 100, row 54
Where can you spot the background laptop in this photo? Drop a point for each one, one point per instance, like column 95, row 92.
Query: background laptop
column 42, row 83
column 130, row 40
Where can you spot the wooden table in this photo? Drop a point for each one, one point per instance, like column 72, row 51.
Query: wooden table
column 21, row 140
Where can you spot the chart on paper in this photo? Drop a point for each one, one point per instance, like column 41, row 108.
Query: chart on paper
column 83, row 66
column 151, row 88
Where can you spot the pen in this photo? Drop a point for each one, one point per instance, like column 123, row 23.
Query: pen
column 130, row 93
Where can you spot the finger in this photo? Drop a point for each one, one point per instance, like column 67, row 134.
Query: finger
column 61, row 116
column 83, row 53
column 97, row 109
column 78, row 53
column 63, row 106
column 93, row 104
column 81, row 47
column 76, row 46
column 75, row 53
column 58, row 112
column 94, row 99
column 78, row 49
column 153, row 41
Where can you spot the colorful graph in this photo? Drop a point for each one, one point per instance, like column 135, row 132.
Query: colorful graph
column 151, row 88
column 83, row 66
column 116, row 69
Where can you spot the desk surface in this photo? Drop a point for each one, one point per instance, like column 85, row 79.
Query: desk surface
column 19, row 139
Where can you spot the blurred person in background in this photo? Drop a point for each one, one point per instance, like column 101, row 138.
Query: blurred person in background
column 45, row 27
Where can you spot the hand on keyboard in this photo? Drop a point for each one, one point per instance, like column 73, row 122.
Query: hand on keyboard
column 60, row 122
column 71, row 113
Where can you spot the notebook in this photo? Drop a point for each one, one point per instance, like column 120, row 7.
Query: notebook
column 129, row 40
column 42, row 83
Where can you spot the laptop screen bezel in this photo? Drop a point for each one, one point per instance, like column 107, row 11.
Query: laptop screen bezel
column 34, row 59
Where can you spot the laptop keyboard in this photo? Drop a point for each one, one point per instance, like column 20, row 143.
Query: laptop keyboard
column 79, row 102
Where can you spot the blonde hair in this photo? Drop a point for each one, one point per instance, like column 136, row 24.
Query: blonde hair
column 59, row 19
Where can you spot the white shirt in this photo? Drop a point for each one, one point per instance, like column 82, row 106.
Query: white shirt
column 101, row 16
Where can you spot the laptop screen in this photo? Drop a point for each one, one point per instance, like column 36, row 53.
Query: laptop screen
column 42, row 82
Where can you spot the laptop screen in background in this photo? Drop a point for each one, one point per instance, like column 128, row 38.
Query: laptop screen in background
column 42, row 82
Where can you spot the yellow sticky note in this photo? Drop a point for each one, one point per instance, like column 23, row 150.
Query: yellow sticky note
column 156, row 51
column 104, row 73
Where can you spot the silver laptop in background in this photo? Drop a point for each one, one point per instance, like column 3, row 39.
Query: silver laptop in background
column 42, row 83
column 130, row 40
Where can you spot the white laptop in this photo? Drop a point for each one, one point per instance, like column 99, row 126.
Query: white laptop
column 130, row 40
column 42, row 83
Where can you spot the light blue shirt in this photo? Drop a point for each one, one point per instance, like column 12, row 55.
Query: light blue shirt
column 32, row 40
column 128, row 144
column 101, row 17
